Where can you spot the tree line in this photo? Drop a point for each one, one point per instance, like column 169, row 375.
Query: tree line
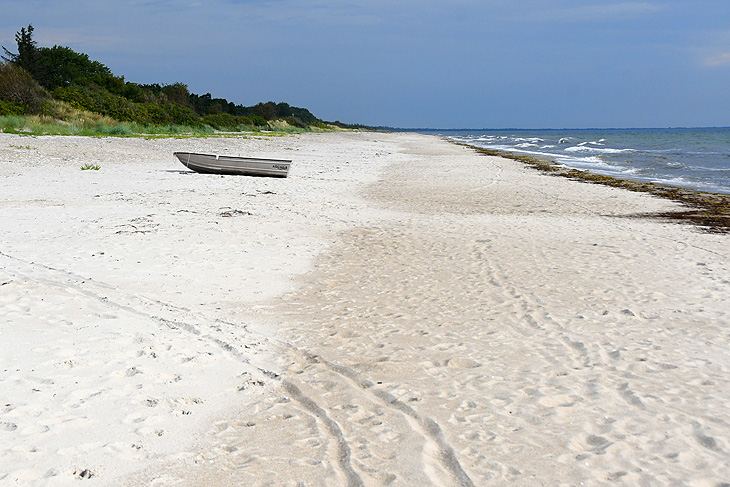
column 32, row 77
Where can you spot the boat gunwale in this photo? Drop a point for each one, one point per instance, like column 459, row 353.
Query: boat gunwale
column 226, row 156
column 234, row 165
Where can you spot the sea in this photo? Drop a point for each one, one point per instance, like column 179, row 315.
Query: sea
column 692, row 158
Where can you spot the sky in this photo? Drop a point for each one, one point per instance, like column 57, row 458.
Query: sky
column 416, row 63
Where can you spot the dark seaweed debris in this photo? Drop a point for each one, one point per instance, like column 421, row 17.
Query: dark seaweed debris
column 710, row 212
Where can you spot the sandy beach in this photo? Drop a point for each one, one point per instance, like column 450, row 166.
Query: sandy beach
column 399, row 311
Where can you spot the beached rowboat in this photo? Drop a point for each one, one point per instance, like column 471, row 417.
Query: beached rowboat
column 245, row 166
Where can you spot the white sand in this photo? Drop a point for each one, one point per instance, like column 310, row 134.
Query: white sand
column 461, row 321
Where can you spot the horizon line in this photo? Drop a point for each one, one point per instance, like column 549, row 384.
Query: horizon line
column 413, row 129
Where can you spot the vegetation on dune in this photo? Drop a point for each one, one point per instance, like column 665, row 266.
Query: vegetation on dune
column 57, row 90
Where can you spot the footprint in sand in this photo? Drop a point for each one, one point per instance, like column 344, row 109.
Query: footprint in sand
column 463, row 363
column 559, row 401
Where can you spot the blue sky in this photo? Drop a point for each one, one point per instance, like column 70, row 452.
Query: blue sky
column 417, row 63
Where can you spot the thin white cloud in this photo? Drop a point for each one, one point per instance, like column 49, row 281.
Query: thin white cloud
column 717, row 60
column 599, row 12
column 712, row 49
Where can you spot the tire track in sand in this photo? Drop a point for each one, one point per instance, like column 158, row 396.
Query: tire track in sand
column 441, row 458
column 235, row 340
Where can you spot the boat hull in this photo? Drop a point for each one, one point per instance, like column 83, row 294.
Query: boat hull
column 240, row 166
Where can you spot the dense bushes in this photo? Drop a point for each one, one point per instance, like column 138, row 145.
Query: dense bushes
column 271, row 111
column 93, row 98
column 19, row 89
column 26, row 78
column 221, row 121
column 10, row 108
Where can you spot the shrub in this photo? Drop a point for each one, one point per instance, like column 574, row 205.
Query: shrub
column 256, row 121
column 10, row 108
column 319, row 124
column 18, row 86
column 183, row 115
column 295, row 122
column 177, row 93
column 134, row 92
column 99, row 100
column 221, row 121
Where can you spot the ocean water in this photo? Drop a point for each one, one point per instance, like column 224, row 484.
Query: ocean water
column 697, row 159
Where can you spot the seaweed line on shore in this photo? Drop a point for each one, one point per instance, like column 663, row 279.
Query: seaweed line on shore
column 710, row 212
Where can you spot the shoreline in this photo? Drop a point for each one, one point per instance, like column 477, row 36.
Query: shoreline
column 435, row 317
column 711, row 210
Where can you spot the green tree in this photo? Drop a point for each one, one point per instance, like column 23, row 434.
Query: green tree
column 27, row 56
column 177, row 93
column 266, row 110
column 62, row 66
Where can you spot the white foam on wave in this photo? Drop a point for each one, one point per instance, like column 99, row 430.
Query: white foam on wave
column 600, row 150
column 590, row 162
column 673, row 181
column 566, row 160
column 710, row 169
column 594, row 142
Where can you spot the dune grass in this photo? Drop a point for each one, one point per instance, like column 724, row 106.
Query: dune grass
column 62, row 119
column 89, row 124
